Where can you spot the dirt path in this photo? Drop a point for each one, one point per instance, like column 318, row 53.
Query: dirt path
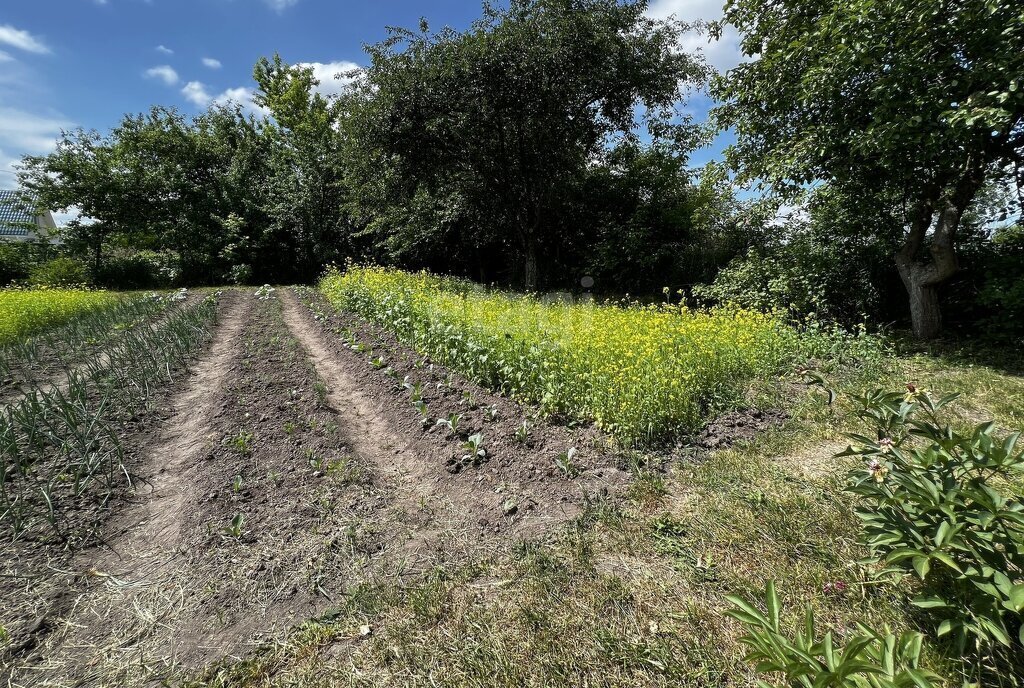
column 152, row 529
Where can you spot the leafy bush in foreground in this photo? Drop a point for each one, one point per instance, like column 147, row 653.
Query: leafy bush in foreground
column 643, row 373
column 936, row 503
column 869, row 659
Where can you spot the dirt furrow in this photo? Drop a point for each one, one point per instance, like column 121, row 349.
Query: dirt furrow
column 141, row 541
column 515, row 492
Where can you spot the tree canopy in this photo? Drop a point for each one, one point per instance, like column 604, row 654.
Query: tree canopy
column 906, row 105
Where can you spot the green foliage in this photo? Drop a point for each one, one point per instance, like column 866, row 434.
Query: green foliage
column 59, row 272
column 1001, row 288
column 453, row 136
column 18, row 258
column 935, row 502
column 905, row 106
column 868, row 659
column 643, row 373
column 126, row 270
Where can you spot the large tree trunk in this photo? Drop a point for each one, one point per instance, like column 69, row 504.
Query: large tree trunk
column 925, row 315
column 530, row 266
column 923, row 273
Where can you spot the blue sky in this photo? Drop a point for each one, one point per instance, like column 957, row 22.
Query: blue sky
column 69, row 63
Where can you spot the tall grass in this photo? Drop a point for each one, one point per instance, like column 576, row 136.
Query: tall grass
column 645, row 373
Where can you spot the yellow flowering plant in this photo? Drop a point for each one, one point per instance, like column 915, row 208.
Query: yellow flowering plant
column 27, row 311
column 645, row 373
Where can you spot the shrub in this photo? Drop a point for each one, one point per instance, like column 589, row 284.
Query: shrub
column 869, row 659
column 15, row 262
column 934, row 503
column 136, row 270
column 59, row 272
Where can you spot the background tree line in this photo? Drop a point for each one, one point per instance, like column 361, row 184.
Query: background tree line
column 549, row 141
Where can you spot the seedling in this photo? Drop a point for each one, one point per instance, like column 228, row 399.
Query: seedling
column 236, row 484
column 320, row 388
column 378, row 362
column 415, row 389
column 468, row 400
column 523, row 432
column 564, row 463
column 451, row 422
column 474, row 445
column 234, row 529
column 491, row 413
column 241, row 442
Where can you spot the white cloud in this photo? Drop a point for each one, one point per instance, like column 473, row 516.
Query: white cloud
column 164, row 49
column 164, row 73
column 280, row 5
column 73, row 213
column 23, row 40
column 195, row 92
column 25, row 133
column 211, row 62
column 5, row 57
column 723, row 54
column 327, row 72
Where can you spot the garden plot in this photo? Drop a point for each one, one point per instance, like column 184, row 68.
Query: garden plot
column 289, row 471
column 43, row 359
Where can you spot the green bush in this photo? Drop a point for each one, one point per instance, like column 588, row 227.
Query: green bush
column 935, row 503
column 869, row 659
column 1002, row 291
column 59, row 272
column 15, row 263
column 136, row 270
column 804, row 275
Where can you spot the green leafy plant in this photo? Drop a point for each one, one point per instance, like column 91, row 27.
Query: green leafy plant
column 241, row 442
column 451, row 422
column 523, row 432
column 234, row 529
column 415, row 389
column 564, row 463
column 933, row 503
column 869, row 659
column 474, row 446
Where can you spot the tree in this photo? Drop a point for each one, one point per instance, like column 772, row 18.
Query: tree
column 84, row 172
column 906, row 106
column 308, row 190
column 487, row 130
